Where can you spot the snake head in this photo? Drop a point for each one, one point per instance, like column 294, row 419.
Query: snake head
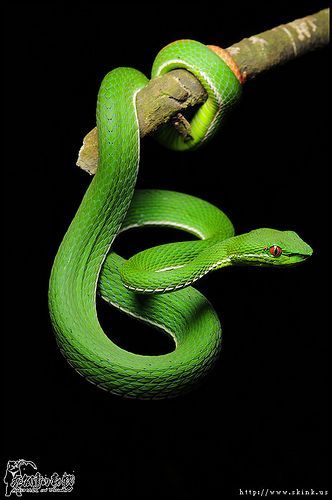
column 269, row 247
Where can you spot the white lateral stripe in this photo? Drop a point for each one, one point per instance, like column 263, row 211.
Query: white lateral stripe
column 185, row 227
column 154, row 323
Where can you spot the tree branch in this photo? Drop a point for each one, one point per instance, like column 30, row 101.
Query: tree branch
column 161, row 100
column 279, row 45
column 165, row 97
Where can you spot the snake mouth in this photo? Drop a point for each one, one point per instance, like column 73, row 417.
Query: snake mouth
column 263, row 260
column 294, row 259
column 304, row 254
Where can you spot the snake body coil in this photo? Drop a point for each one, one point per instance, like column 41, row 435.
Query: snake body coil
column 86, row 263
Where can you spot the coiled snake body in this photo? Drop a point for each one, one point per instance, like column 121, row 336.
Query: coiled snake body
column 85, row 259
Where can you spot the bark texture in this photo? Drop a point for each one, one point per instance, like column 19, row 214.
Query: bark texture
column 165, row 97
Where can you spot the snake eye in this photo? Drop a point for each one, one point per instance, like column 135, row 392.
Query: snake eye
column 275, row 251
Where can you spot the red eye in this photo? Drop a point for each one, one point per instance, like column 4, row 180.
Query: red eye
column 275, row 251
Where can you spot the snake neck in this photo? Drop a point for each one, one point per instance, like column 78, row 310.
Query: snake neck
column 188, row 262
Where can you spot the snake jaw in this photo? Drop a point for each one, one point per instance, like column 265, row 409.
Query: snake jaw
column 269, row 248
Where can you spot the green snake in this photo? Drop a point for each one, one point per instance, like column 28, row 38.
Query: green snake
column 154, row 285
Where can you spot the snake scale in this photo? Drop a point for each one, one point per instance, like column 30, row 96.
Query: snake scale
column 154, row 285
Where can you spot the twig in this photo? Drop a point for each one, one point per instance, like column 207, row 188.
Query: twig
column 279, row 45
column 165, row 97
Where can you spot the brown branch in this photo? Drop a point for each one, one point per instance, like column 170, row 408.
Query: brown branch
column 279, row 45
column 165, row 97
column 162, row 99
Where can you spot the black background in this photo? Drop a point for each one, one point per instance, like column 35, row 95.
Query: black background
column 260, row 419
